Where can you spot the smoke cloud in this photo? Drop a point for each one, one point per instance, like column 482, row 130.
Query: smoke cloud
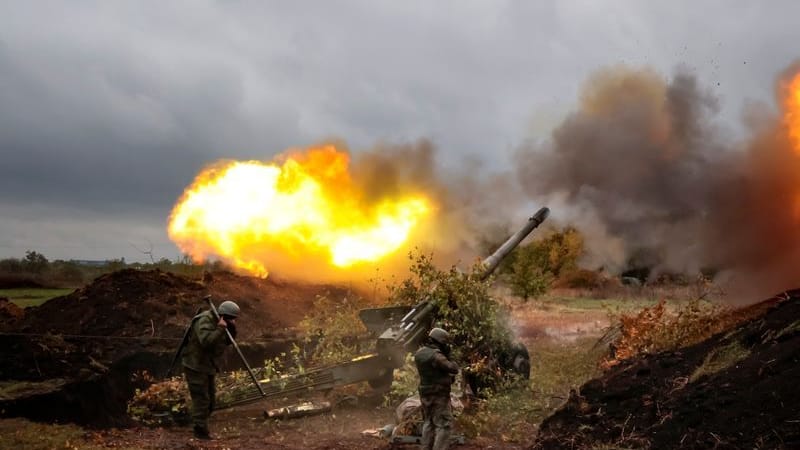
column 643, row 170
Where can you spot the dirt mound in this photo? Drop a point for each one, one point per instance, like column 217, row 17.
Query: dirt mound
column 119, row 304
column 9, row 312
column 160, row 304
column 101, row 335
column 735, row 390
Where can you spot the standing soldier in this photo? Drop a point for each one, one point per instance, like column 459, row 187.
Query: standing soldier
column 207, row 341
column 436, row 374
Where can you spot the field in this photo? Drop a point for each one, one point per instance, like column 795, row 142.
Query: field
column 25, row 297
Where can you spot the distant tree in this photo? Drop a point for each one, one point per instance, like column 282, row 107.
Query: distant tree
column 561, row 251
column 35, row 262
column 527, row 276
column 116, row 264
column 535, row 266
column 11, row 265
column 68, row 273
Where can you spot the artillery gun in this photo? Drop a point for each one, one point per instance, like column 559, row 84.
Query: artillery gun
column 400, row 330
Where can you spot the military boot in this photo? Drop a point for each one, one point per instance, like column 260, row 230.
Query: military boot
column 202, row 433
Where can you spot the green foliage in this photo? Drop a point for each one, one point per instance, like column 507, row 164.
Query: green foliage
column 479, row 325
column 535, row 266
column 168, row 401
column 34, row 262
column 560, row 251
column 527, row 277
column 32, row 297
column 333, row 329
column 405, row 382
column 720, row 359
column 161, row 402
column 35, row 270
column 512, row 415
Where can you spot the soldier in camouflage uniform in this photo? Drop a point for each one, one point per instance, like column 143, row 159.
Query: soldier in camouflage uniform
column 436, row 374
column 207, row 341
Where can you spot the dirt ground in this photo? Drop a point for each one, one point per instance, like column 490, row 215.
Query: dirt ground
column 71, row 360
column 245, row 428
column 62, row 374
column 735, row 390
column 76, row 354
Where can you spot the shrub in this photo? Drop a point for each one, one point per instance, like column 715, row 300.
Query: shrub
column 582, row 279
column 528, row 277
column 333, row 329
column 480, row 327
column 533, row 268
column 657, row 329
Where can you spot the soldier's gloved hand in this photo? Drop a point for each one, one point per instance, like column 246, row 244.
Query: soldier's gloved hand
column 231, row 330
column 445, row 349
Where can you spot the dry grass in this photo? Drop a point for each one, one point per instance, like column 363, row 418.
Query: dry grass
column 23, row 434
column 513, row 415
column 720, row 359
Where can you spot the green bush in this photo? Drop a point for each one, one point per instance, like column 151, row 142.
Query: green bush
column 333, row 329
column 535, row 266
column 479, row 326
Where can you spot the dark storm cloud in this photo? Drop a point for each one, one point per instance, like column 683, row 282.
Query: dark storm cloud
column 112, row 108
column 95, row 130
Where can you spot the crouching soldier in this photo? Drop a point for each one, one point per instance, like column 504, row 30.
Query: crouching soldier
column 207, row 341
column 436, row 374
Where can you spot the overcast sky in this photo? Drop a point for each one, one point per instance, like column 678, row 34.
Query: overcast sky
column 109, row 109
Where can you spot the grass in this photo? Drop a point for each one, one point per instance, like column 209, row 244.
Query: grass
column 13, row 389
column 32, row 297
column 557, row 367
column 583, row 304
column 720, row 359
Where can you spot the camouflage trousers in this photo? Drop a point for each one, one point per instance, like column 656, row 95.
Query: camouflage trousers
column 436, row 421
column 203, row 391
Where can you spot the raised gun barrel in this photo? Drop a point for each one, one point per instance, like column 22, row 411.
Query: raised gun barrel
column 400, row 336
column 399, row 328
column 491, row 263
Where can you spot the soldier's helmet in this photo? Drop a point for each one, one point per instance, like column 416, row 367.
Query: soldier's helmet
column 440, row 336
column 228, row 308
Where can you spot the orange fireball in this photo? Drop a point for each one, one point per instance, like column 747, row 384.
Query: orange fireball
column 792, row 106
column 306, row 206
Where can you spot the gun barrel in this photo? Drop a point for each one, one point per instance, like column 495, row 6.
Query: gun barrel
column 490, row 264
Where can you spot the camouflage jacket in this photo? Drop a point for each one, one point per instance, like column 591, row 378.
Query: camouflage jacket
column 436, row 372
column 206, row 343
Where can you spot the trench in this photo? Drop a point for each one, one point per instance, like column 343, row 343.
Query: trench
column 100, row 401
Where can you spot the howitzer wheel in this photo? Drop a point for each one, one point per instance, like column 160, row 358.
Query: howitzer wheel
column 383, row 382
column 520, row 361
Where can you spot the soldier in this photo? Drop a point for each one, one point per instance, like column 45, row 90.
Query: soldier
column 207, row 341
column 436, row 374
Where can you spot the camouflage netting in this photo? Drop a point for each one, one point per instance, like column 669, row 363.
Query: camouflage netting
column 480, row 326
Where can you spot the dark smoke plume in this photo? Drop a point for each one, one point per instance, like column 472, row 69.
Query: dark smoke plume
column 468, row 200
column 642, row 168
